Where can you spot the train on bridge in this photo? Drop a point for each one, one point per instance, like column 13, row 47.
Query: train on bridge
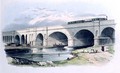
column 80, row 33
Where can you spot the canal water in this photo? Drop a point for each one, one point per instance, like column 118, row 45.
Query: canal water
column 39, row 55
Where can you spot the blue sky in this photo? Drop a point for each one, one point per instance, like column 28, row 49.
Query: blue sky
column 13, row 9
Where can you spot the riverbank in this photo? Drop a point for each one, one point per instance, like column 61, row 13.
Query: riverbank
column 88, row 57
column 83, row 56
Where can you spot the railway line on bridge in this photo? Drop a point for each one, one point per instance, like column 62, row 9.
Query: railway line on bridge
column 97, row 31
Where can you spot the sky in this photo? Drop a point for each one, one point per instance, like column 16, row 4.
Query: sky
column 14, row 9
column 22, row 13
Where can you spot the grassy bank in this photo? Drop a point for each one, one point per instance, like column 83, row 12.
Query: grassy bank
column 84, row 57
column 89, row 58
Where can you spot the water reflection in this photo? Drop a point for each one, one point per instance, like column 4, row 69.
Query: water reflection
column 36, row 54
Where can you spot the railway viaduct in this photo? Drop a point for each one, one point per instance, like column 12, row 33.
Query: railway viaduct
column 90, row 32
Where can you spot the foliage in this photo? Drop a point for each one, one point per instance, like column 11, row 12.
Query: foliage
column 111, row 49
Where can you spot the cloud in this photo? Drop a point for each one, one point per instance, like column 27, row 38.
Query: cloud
column 41, row 14
column 40, row 17
column 32, row 17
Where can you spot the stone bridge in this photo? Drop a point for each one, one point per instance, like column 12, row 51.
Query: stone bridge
column 97, row 31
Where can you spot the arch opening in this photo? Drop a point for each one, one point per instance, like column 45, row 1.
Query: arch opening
column 26, row 39
column 39, row 40
column 84, row 38
column 58, row 39
column 17, row 39
column 107, row 36
column 22, row 39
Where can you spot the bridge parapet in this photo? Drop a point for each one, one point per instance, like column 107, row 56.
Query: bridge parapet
column 70, row 32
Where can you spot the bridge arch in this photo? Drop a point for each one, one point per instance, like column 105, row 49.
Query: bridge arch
column 84, row 38
column 22, row 39
column 39, row 40
column 107, row 35
column 17, row 39
column 58, row 38
column 26, row 38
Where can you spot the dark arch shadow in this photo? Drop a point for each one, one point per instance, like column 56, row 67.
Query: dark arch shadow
column 22, row 39
column 17, row 39
column 107, row 36
column 84, row 38
column 39, row 40
column 26, row 39
column 58, row 38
